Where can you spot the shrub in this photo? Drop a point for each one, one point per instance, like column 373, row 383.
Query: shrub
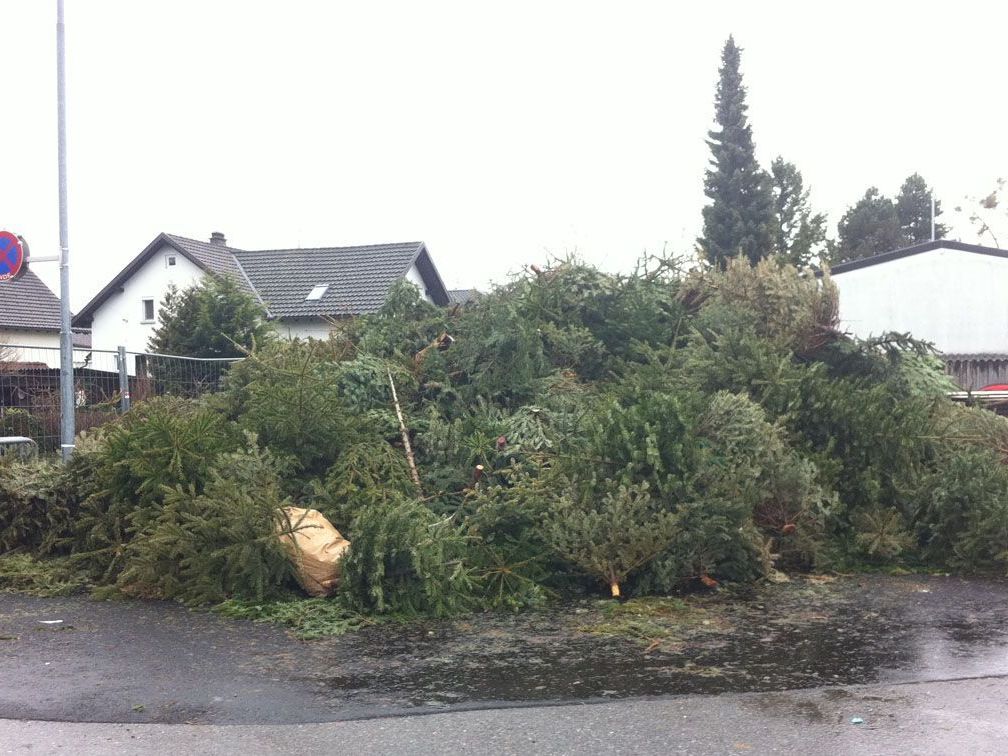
column 405, row 559
column 289, row 395
column 159, row 445
column 366, row 474
column 511, row 555
column 962, row 511
column 218, row 544
column 35, row 506
column 748, row 459
column 611, row 537
column 793, row 310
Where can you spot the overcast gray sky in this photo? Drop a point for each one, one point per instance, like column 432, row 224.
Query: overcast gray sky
column 499, row 133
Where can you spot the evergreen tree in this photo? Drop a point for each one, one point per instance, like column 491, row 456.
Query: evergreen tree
column 869, row 228
column 913, row 207
column 800, row 233
column 739, row 220
column 214, row 318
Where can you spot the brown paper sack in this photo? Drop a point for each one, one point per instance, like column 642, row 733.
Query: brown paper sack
column 315, row 548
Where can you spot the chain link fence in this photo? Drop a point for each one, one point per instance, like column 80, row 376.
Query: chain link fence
column 105, row 384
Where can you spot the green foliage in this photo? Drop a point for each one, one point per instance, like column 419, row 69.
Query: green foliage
column 611, row 537
column 405, row 559
column 24, row 573
column 961, row 512
column 290, row 395
column 512, row 558
column 795, row 311
column 913, row 208
column 499, row 354
column 35, row 506
column 366, row 474
column 881, row 533
column 877, row 224
column 748, row 460
column 739, row 222
column 405, row 324
column 213, row 318
column 578, row 428
column 800, row 234
column 224, row 542
column 308, row 619
column 159, row 445
column 869, row 228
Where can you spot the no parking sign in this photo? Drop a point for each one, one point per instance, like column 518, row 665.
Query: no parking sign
column 13, row 256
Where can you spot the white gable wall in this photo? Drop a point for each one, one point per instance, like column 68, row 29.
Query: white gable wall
column 414, row 277
column 119, row 319
column 958, row 300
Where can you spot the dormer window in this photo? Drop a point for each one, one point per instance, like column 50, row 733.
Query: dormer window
column 317, row 293
column 170, row 261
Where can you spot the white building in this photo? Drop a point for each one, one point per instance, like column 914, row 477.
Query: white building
column 951, row 294
column 29, row 322
column 302, row 290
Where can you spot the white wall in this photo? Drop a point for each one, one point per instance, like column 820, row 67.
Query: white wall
column 304, row 329
column 32, row 339
column 414, row 277
column 119, row 320
column 957, row 300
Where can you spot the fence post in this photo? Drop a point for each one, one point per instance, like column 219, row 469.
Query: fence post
column 124, row 393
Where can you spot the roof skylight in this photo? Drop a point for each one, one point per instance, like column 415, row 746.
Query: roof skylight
column 317, row 293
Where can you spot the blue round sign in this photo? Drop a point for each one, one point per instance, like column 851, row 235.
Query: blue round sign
column 13, row 258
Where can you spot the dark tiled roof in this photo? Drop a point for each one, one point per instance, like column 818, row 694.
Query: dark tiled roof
column 917, row 249
column 27, row 304
column 463, row 296
column 358, row 278
column 215, row 258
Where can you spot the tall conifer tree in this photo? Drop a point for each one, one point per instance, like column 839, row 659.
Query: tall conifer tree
column 740, row 218
column 800, row 234
column 913, row 207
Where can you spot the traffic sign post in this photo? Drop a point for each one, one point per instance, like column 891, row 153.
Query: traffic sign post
column 13, row 256
column 14, row 251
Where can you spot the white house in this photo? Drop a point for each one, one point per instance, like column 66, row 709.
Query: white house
column 302, row 290
column 29, row 322
column 952, row 294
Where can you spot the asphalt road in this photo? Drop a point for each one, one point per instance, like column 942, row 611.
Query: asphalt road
column 938, row 717
column 921, row 662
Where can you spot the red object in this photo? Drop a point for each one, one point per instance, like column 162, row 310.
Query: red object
column 995, row 387
column 12, row 256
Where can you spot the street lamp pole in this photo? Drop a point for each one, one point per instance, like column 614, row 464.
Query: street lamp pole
column 66, row 338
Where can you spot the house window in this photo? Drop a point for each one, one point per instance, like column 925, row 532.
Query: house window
column 317, row 293
column 148, row 310
column 170, row 261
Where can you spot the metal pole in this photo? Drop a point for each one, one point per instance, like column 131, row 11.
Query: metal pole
column 66, row 338
column 124, row 394
column 932, row 215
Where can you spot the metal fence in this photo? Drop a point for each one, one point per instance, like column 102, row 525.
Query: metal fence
column 105, row 384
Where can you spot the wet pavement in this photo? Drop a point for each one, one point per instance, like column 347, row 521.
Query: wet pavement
column 155, row 662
